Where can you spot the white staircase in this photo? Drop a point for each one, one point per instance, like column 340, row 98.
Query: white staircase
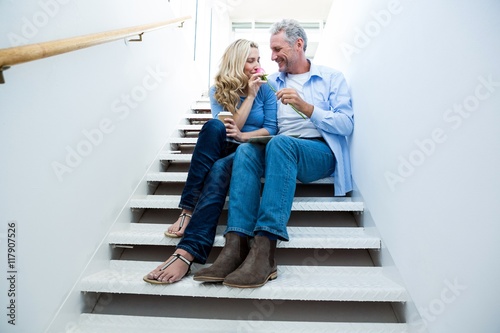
column 326, row 279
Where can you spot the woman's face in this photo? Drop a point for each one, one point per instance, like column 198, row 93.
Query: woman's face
column 252, row 63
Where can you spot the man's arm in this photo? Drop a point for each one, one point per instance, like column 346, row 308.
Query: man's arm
column 335, row 116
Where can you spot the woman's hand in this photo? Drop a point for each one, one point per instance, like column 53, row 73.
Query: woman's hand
column 254, row 83
column 233, row 131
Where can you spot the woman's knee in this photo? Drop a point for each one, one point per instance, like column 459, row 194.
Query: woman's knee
column 214, row 126
column 222, row 166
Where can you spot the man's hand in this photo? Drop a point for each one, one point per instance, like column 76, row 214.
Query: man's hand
column 290, row 96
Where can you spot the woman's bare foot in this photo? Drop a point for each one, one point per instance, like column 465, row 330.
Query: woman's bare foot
column 173, row 272
column 176, row 230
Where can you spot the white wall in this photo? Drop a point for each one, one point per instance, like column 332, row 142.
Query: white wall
column 113, row 105
column 214, row 33
column 425, row 79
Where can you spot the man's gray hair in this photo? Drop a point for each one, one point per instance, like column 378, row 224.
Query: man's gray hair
column 292, row 29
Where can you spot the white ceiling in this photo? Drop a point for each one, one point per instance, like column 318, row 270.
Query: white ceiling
column 275, row 10
column 269, row 11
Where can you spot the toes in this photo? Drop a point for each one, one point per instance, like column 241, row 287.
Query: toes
column 164, row 277
column 173, row 273
column 174, row 229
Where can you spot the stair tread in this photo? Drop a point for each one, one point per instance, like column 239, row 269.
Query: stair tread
column 182, row 176
column 169, row 156
column 182, row 140
column 183, row 127
column 300, row 237
column 171, row 177
column 97, row 323
column 299, row 203
column 318, row 283
column 201, row 105
column 198, row 116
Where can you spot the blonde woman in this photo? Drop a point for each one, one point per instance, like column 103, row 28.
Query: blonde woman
column 239, row 90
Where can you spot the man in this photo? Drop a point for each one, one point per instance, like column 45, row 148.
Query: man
column 314, row 118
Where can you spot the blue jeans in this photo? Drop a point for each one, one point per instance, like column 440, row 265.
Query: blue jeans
column 206, row 188
column 282, row 161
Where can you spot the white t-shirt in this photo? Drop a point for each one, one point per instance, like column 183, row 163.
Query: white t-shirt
column 290, row 122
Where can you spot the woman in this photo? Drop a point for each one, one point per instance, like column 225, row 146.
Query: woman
column 237, row 89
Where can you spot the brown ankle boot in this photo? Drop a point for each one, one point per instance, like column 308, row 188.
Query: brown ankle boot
column 258, row 267
column 232, row 255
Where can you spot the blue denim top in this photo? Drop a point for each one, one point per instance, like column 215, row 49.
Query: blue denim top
column 262, row 114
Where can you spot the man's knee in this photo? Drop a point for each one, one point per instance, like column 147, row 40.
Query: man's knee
column 246, row 151
column 249, row 154
column 280, row 143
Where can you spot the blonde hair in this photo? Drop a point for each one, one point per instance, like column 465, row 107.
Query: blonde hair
column 231, row 79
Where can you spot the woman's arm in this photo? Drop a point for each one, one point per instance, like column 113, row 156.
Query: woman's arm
column 215, row 107
column 240, row 117
column 234, row 132
column 268, row 109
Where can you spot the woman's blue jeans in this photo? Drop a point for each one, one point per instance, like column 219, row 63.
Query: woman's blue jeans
column 206, row 188
column 282, row 161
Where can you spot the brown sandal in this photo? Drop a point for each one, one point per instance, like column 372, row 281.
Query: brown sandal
column 175, row 256
column 181, row 224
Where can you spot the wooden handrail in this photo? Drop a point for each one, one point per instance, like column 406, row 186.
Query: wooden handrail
column 21, row 54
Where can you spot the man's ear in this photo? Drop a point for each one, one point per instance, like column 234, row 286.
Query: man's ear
column 300, row 43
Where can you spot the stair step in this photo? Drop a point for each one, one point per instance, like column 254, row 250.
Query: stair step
column 189, row 128
column 95, row 323
column 167, row 177
column 172, row 157
column 185, row 141
column 176, row 177
column 300, row 237
column 201, row 106
column 186, row 158
column 198, row 116
column 307, row 283
column 299, row 203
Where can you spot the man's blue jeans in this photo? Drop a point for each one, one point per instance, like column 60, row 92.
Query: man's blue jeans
column 206, row 188
column 282, row 161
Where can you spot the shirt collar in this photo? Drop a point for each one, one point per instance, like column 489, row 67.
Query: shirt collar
column 313, row 69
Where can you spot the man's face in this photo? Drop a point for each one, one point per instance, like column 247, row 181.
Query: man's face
column 284, row 54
